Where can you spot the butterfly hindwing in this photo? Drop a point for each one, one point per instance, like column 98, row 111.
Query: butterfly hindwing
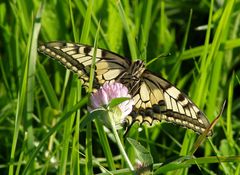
column 163, row 101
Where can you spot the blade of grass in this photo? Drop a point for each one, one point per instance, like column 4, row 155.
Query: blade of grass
column 201, row 160
column 129, row 33
column 63, row 117
column 74, row 166
column 202, row 137
column 197, row 51
column 214, row 49
column 89, row 165
column 82, row 9
column 47, row 88
column 75, row 36
column 177, row 66
column 87, row 22
column 114, row 29
column 27, row 93
column 75, row 158
column 229, row 133
column 189, row 138
column 68, row 125
column 105, row 145
column 145, row 26
column 31, row 79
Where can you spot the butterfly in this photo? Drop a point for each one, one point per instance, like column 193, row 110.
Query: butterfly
column 155, row 98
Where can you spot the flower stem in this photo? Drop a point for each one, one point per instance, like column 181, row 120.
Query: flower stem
column 119, row 143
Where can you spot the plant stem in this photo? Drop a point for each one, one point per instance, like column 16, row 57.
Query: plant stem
column 119, row 143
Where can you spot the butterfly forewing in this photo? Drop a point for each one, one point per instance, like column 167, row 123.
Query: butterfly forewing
column 78, row 58
column 155, row 98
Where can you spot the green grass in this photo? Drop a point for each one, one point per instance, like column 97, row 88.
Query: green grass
column 42, row 106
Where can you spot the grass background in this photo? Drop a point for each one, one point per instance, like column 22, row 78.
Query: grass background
column 40, row 124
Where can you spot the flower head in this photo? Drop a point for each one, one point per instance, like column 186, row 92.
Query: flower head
column 110, row 91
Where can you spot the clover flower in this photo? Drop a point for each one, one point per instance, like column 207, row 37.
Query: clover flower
column 103, row 97
column 110, row 112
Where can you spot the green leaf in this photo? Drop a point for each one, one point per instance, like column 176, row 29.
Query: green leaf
column 116, row 101
column 143, row 155
column 94, row 114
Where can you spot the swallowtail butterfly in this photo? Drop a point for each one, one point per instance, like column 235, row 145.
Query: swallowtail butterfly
column 155, row 98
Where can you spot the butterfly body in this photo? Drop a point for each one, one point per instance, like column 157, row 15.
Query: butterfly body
column 155, row 98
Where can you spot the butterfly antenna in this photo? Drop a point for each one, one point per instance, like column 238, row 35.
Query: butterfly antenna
column 159, row 56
